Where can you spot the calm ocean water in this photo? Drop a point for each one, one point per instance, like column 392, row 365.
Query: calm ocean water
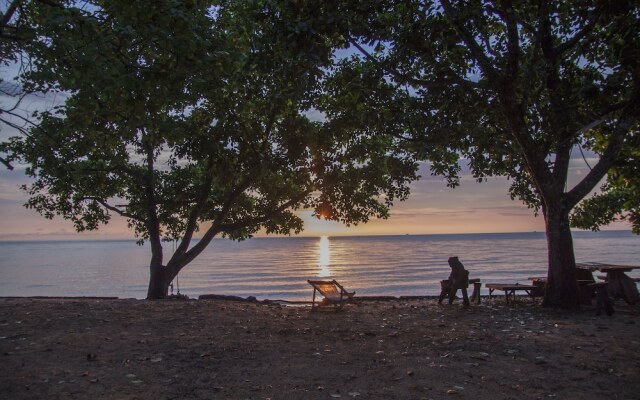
column 278, row 268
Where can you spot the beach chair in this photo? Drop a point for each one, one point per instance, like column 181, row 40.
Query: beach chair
column 334, row 294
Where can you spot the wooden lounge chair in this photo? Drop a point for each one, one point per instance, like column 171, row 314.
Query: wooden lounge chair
column 334, row 294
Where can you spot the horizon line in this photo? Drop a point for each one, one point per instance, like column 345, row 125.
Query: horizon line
column 107, row 239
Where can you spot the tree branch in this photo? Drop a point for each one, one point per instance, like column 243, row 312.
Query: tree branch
column 513, row 41
column 267, row 216
column 562, row 47
column 476, row 50
column 11, row 10
column 183, row 257
column 405, row 79
column 560, row 104
column 595, row 175
column 6, row 164
column 17, row 127
column 195, row 213
column 174, row 266
column 115, row 209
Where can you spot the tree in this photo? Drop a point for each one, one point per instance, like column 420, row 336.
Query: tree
column 511, row 86
column 619, row 198
column 189, row 117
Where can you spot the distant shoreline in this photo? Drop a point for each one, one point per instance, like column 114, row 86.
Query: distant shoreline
column 303, row 237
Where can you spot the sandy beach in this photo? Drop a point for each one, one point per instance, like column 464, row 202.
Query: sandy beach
column 402, row 349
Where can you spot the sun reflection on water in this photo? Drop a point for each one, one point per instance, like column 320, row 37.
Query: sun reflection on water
column 324, row 257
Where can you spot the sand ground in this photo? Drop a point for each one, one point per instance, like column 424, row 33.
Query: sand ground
column 404, row 349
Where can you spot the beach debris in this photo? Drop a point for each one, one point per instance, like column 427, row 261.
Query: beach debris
column 472, row 364
column 455, row 390
column 540, row 360
column 133, row 378
column 156, row 359
column 335, row 396
column 480, row 356
column 354, row 394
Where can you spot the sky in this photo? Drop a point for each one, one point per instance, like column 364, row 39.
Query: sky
column 432, row 207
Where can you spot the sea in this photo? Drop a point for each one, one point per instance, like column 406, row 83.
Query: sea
column 277, row 268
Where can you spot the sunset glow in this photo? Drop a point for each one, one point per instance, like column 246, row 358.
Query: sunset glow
column 432, row 208
column 324, row 257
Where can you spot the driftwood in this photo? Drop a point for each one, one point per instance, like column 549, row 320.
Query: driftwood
column 249, row 299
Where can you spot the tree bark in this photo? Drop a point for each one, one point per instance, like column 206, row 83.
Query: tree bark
column 158, row 285
column 562, row 289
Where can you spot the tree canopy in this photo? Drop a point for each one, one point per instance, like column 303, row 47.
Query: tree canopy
column 191, row 118
column 512, row 87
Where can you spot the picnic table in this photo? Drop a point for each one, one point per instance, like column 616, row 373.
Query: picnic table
column 585, row 281
column 619, row 284
column 510, row 289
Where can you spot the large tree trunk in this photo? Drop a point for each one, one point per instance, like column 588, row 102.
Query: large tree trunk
column 562, row 287
column 158, row 284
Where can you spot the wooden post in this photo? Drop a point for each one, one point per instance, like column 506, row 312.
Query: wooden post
column 475, row 295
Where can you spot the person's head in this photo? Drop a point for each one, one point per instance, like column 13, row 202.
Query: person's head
column 454, row 263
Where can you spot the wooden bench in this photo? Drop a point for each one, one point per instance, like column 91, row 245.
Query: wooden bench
column 510, row 289
column 445, row 288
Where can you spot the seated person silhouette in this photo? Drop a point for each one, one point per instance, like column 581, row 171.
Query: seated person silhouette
column 458, row 279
